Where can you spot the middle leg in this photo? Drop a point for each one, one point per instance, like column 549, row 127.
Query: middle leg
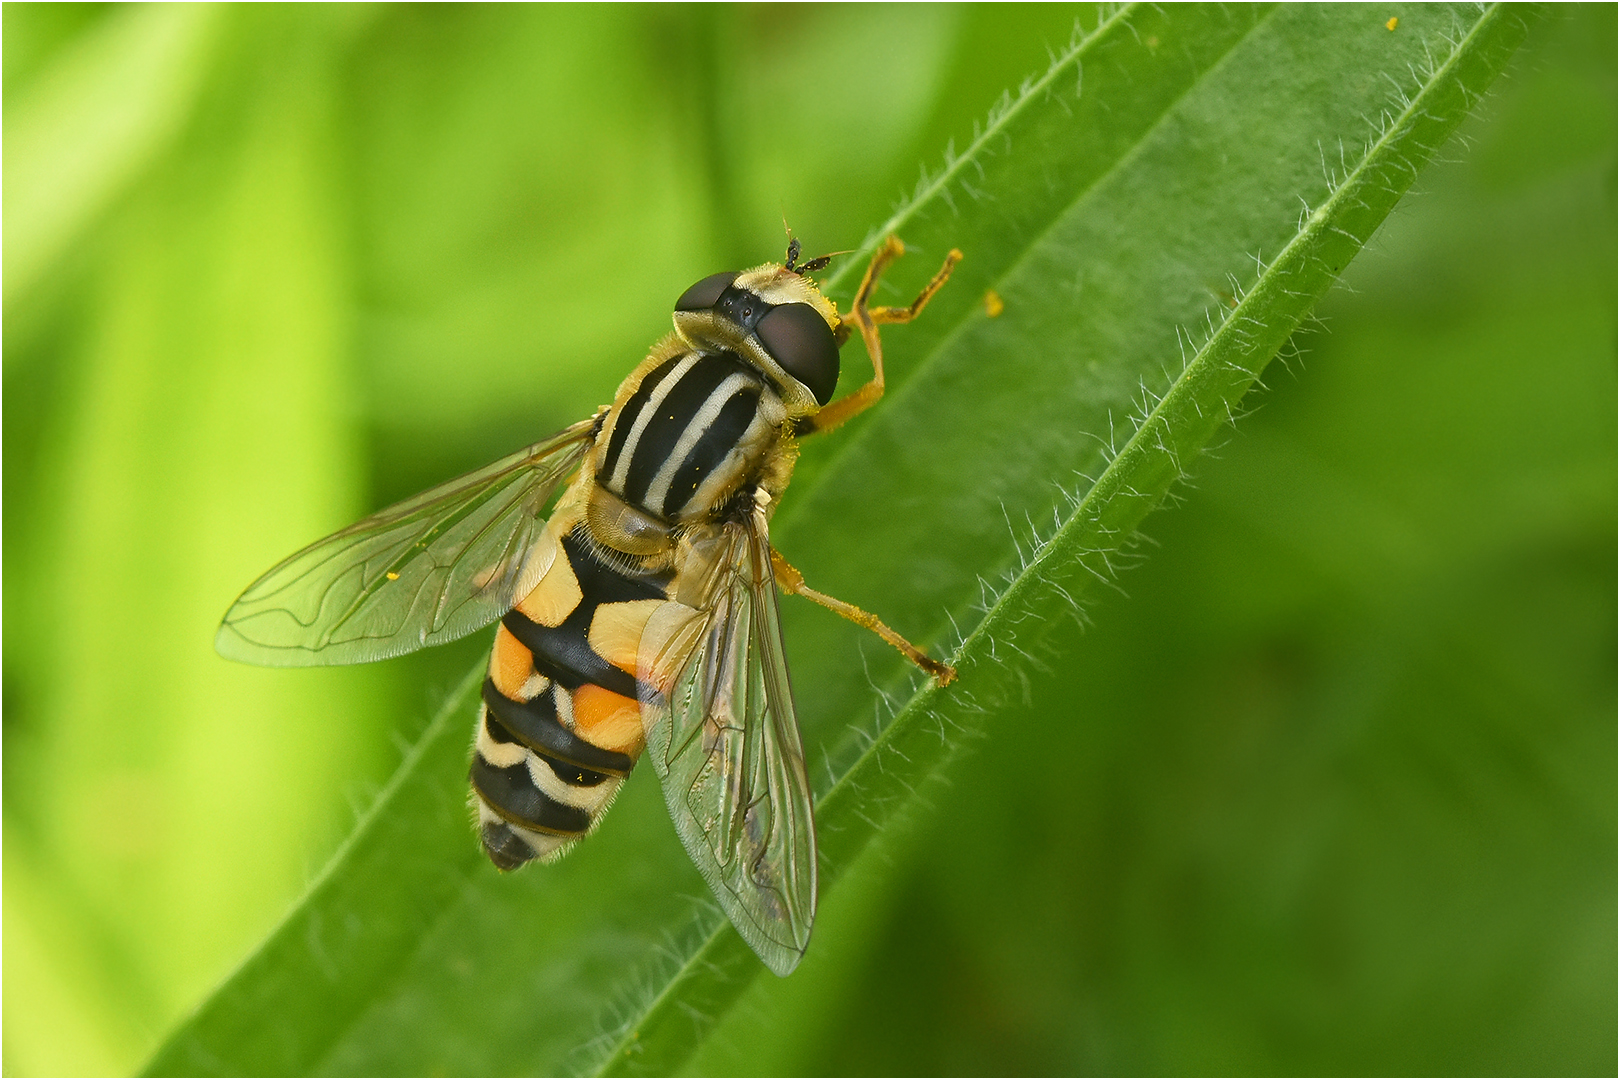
column 791, row 581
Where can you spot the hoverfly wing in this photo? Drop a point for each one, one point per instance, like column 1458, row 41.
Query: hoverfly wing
column 424, row 571
column 722, row 736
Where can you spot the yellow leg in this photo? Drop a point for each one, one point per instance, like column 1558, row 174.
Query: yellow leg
column 867, row 319
column 791, row 581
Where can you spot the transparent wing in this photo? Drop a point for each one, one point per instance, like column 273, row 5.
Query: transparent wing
column 724, row 741
column 425, row 571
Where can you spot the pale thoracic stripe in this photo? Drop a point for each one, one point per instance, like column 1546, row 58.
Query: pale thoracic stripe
column 621, row 468
column 702, row 421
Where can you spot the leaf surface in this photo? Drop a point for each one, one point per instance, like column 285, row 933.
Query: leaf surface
column 1157, row 214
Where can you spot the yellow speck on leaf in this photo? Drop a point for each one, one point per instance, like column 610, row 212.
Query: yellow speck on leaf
column 1393, row 20
column 392, row 576
column 993, row 305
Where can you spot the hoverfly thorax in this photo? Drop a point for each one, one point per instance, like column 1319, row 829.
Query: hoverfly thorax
column 638, row 617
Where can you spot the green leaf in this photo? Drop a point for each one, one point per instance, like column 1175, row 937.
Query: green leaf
column 1158, row 213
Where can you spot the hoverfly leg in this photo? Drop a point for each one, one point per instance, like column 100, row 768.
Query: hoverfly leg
column 881, row 315
column 791, row 581
column 867, row 319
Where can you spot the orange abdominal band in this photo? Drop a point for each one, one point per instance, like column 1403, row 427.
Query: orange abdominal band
column 611, row 721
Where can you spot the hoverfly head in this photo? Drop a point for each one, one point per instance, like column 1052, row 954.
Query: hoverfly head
column 777, row 311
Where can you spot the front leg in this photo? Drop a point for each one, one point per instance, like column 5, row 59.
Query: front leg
column 866, row 319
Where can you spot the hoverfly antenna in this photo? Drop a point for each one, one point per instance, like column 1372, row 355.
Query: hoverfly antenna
column 820, row 262
column 794, row 248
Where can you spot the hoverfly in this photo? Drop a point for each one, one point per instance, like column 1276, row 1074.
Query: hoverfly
column 641, row 613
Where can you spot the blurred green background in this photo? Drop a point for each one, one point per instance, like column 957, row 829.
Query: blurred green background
column 267, row 268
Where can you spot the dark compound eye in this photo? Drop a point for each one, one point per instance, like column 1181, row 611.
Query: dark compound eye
column 703, row 295
column 800, row 340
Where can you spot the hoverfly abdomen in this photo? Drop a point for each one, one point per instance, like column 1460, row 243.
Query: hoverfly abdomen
column 536, row 725
column 561, row 724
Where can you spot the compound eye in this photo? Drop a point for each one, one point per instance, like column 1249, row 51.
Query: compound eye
column 703, row 295
column 799, row 339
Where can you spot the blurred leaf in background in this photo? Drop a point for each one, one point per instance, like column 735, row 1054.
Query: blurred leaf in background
column 267, row 268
